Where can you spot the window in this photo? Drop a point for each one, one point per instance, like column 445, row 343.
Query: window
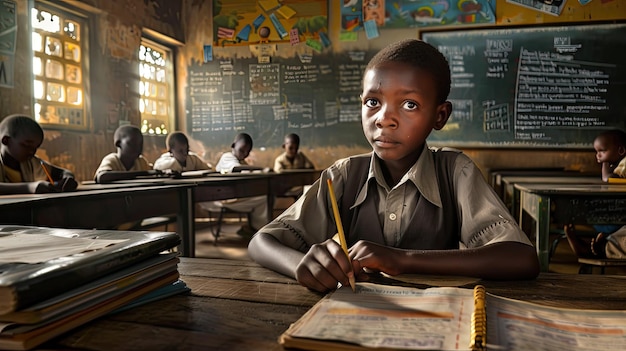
column 59, row 53
column 155, row 88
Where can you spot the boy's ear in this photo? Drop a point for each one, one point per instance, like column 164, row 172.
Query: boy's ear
column 117, row 143
column 443, row 113
column 5, row 140
column 620, row 150
column 232, row 145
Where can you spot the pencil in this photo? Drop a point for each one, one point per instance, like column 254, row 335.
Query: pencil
column 45, row 169
column 342, row 237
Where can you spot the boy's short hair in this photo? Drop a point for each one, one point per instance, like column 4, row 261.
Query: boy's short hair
column 176, row 137
column 421, row 55
column 14, row 125
column 293, row 137
column 124, row 131
column 616, row 136
column 242, row 136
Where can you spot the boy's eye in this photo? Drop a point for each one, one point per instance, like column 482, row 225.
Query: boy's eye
column 410, row 105
column 370, row 102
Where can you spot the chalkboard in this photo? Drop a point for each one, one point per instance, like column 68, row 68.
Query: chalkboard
column 533, row 86
column 316, row 96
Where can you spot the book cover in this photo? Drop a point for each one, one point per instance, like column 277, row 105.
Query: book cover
column 384, row 317
column 94, row 292
column 24, row 283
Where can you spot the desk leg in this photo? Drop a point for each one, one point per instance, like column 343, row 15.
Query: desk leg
column 543, row 232
column 186, row 223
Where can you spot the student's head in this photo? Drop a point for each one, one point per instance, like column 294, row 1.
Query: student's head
column 610, row 146
column 405, row 87
column 21, row 137
column 291, row 144
column 178, row 145
column 129, row 141
column 242, row 145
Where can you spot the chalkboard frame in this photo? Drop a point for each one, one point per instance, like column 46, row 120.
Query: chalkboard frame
column 586, row 144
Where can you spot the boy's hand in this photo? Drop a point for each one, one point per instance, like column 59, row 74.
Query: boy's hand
column 371, row 257
column 41, row 187
column 323, row 266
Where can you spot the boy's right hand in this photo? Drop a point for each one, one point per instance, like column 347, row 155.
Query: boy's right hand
column 323, row 266
column 41, row 187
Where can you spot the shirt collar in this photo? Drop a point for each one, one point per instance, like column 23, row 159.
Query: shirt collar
column 421, row 174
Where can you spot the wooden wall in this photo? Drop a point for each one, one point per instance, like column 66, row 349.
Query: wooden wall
column 186, row 25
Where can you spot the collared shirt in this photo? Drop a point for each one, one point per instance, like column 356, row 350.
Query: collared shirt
column 483, row 217
column 300, row 161
column 193, row 162
column 112, row 162
column 30, row 171
column 228, row 161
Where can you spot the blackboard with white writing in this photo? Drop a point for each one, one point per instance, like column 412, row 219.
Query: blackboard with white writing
column 550, row 87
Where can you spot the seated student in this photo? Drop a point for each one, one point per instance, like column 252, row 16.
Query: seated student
column 257, row 205
column 179, row 158
column 127, row 162
column 610, row 242
column 22, row 172
column 292, row 158
column 406, row 208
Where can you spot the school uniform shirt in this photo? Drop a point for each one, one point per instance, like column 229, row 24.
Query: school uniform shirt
column 420, row 212
column 193, row 162
column 620, row 170
column 112, row 162
column 30, row 171
column 228, row 161
column 300, row 161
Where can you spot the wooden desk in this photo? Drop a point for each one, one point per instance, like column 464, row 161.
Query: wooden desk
column 573, row 203
column 511, row 195
column 238, row 305
column 102, row 206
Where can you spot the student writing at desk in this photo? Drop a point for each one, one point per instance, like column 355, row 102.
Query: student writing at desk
column 127, row 162
column 256, row 205
column 22, row 172
column 610, row 242
column 179, row 158
column 292, row 158
column 406, row 208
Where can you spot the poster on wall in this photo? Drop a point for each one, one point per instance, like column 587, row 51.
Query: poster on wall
column 249, row 22
column 415, row 13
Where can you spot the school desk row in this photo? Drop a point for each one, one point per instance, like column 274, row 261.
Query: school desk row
column 105, row 206
column 561, row 198
column 238, row 305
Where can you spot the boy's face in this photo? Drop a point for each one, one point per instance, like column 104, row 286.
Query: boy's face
column 23, row 146
column 131, row 145
column 291, row 148
column 241, row 150
column 399, row 110
column 607, row 150
column 180, row 151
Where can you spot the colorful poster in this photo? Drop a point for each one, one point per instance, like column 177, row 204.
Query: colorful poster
column 247, row 22
column 418, row 13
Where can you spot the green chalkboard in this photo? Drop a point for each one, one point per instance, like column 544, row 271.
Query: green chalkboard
column 551, row 86
column 316, row 96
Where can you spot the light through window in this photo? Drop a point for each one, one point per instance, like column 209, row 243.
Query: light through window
column 155, row 103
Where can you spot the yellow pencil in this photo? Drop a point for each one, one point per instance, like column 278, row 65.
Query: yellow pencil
column 342, row 237
column 45, row 169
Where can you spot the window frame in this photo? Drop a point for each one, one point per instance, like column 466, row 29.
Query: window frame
column 85, row 20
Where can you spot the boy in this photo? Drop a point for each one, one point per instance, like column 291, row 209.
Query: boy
column 22, row 172
column 235, row 160
column 127, row 162
column 405, row 208
column 292, row 158
column 610, row 242
column 179, row 158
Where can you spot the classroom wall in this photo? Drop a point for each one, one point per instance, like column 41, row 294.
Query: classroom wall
column 186, row 25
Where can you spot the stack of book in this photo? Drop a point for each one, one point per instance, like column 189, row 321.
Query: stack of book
column 53, row 280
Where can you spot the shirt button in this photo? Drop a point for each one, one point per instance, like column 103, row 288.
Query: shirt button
column 392, row 216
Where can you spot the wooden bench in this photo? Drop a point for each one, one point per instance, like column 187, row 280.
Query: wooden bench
column 587, row 264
